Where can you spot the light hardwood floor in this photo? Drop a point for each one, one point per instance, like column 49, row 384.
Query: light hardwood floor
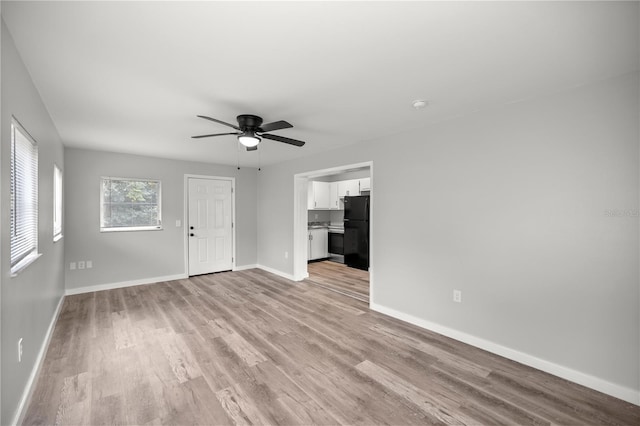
column 340, row 278
column 252, row 348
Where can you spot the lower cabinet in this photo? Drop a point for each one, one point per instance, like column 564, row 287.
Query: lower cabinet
column 318, row 243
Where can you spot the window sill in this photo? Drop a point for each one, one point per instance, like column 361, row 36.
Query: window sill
column 132, row 229
column 57, row 238
column 24, row 263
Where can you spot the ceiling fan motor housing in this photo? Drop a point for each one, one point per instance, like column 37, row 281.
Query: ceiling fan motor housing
column 249, row 122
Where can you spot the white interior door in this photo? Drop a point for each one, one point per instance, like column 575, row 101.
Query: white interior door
column 210, row 226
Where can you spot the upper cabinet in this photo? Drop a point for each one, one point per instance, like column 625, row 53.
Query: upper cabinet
column 328, row 195
column 334, row 198
column 365, row 184
column 318, row 196
column 348, row 188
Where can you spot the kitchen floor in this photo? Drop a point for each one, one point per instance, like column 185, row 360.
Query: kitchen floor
column 340, row 278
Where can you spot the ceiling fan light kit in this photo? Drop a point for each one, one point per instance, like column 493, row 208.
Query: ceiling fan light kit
column 250, row 131
column 249, row 139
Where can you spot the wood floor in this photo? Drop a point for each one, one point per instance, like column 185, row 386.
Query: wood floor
column 340, row 278
column 252, row 348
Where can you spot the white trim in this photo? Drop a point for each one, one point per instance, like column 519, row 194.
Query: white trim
column 601, row 385
column 133, row 229
column 23, row 264
column 110, row 286
column 29, row 388
column 58, row 202
column 371, row 237
column 300, row 219
column 185, row 217
column 276, row 272
column 336, row 170
column 245, row 267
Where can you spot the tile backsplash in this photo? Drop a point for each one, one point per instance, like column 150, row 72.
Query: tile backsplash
column 319, row 216
column 329, row 216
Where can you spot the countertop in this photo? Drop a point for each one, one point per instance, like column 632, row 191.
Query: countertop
column 317, row 225
column 333, row 227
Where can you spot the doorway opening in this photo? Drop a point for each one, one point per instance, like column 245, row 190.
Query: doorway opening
column 333, row 219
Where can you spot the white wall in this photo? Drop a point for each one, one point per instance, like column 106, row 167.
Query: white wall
column 511, row 207
column 29, row 300
column 143, row 255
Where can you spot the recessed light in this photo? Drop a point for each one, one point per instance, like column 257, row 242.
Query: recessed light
column 419, row 104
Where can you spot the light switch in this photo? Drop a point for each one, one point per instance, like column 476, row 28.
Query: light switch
column 89, row 264
column 81, row 264
column 178, row 223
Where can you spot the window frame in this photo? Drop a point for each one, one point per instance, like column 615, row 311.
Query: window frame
column 58, row 202
column 26, row 255
column 157, row 227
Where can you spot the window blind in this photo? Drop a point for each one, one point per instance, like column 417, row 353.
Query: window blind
column 24, row 195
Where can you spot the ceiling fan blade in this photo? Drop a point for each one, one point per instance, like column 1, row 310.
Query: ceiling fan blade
column 283, row 139
column 218, row 121
column 215, row 134
column 276, row 125
column 252, row 148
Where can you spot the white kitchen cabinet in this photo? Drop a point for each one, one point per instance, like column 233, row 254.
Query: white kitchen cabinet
column 334, row 198
column 318, row 196
column 348, row 188
column 318, row 243
column 365, row 184
column 311, row 200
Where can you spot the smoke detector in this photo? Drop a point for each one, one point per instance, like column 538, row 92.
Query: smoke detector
column 419, row 104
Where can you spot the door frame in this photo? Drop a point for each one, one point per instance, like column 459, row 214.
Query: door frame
column 185, row 217
column 300, row 218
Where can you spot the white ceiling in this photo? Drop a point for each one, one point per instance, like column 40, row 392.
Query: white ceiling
column 131, row 77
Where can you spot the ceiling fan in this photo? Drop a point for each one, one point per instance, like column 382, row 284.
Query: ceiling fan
column 250, row 130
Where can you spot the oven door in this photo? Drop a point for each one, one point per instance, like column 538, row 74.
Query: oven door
column 336, row 243
column 336, row 247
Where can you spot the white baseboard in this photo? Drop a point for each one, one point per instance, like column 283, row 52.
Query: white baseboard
column 276, row 272
column 617, row 391
column 29, row 388
column 100, row 287
column 300, row 277
column 245, row 267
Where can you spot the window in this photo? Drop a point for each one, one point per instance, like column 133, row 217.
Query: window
column 57, row 203
column 24, row 198
column 129, row 204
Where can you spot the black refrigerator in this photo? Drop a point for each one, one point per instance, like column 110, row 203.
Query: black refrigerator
column 356, row 232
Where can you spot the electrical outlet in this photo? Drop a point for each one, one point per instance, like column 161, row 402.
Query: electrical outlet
column 81, row 264
column 72, row 266
column 20, row 350
column 286, row 254
column 457, row 296
column 89, row 264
